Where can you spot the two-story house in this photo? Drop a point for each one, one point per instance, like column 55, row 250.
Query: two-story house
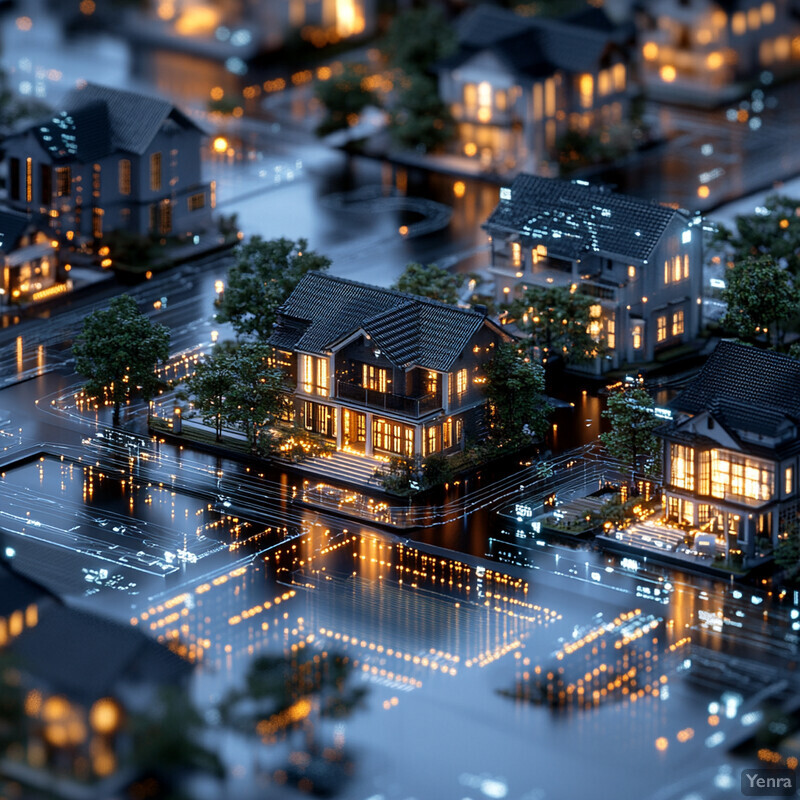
column 705, row 51
column 383, row 373
column 642, row 262
column 28, row 259
column 732, row 450
column 516, row 84
column 111, row 160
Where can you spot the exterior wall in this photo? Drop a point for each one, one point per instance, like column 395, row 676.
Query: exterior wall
column 630, row 295
column 97, row 186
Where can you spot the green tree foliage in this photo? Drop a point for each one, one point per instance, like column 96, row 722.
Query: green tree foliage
column 209, row 386
column 263, row 276
column 761, row 298
column 257, row 396
column 632, row 440
column 167, row 740
column 556, row 321
column 344, row 97
column 775, row 233
column 787, row 553
column 430, row 280
column 420, row 120
column 419, row 38
column 118, row 351
column 517, row 408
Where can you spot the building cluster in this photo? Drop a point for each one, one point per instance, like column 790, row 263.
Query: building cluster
column 108, row 160
column 517, row 84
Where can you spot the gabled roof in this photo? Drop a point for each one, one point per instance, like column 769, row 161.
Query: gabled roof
column 98, row 120
column 537, row 46
column 88, row 656
column 572, row 218
column 752, row 387
column 134, row 118
column 13, row 225
column 18, row 592
column 324, row 311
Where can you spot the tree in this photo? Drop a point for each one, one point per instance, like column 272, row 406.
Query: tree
column 787, row 553
column 118, row 350
column 209, row 386
column 420, row 120
column 264, row 275
column 257, row 396
column 418, row 38
column 430, row 280
column 774, row 230
column 557, row 322
column 517, row 409
column 344, row 96
column 760, row 295
column 631, row 411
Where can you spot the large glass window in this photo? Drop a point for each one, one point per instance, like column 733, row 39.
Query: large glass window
column 740, row 477
column 661, row 329
column 461, row 382
column 677, row 323
column 373, row 377
column 155, row 172
column 392, row 437
column 320, row 419
column 315, row 375
column 681, row 459
column 63, row 181
column 124, row 176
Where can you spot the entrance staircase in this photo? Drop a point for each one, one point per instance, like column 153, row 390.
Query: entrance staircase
column 342, row 467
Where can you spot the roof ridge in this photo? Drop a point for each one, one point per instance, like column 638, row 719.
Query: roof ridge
column 393, row 292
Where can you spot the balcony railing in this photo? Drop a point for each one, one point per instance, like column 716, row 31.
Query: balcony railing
column 411, row 406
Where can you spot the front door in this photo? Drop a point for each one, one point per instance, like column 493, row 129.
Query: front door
column 354, row 430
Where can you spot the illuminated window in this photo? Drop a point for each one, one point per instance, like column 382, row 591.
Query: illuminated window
column 550, row 97
column 461, row 382
column 677, row 323
column 447, row 433
column 155, row 172
column 681, row 459
column 768, row 13
column 586, row 90
column 392, row 437
column 538, row 253
column 431, row 441
column 661, row 329
column 783, row 48
column 734, row 476
column 637, row 337
column 538, row 107
column 754, row 19
column 97, row 223
column 632, row 272
column 29, row 180
column 165, row 217
column 676, row 269
column 611, row 333
column 319, row 419
column 704, row 487
column 739, row 23
column 686, row 265
column 604, row 82
column 459, row 430
column 516, row 254
column 373, row 377
column 197, row 201
column 63, row 181
column 788, row 480
column 485, row 94
column 315, row 375
column 124, row 176
column 666, row 272
column 470, row 96
column 431, row 382
column 619, row 77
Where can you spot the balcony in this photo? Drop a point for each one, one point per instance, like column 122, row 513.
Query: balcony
column 371, row 398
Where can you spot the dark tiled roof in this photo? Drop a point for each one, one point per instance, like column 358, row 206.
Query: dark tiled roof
column 573, row 218
column 134, row 118
column 80, row 134
column 87, row 656
column 323, row 310
column 742, row 378
column 18, row 592
column 736, row 415
column 13, row 225
column 538, row 46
